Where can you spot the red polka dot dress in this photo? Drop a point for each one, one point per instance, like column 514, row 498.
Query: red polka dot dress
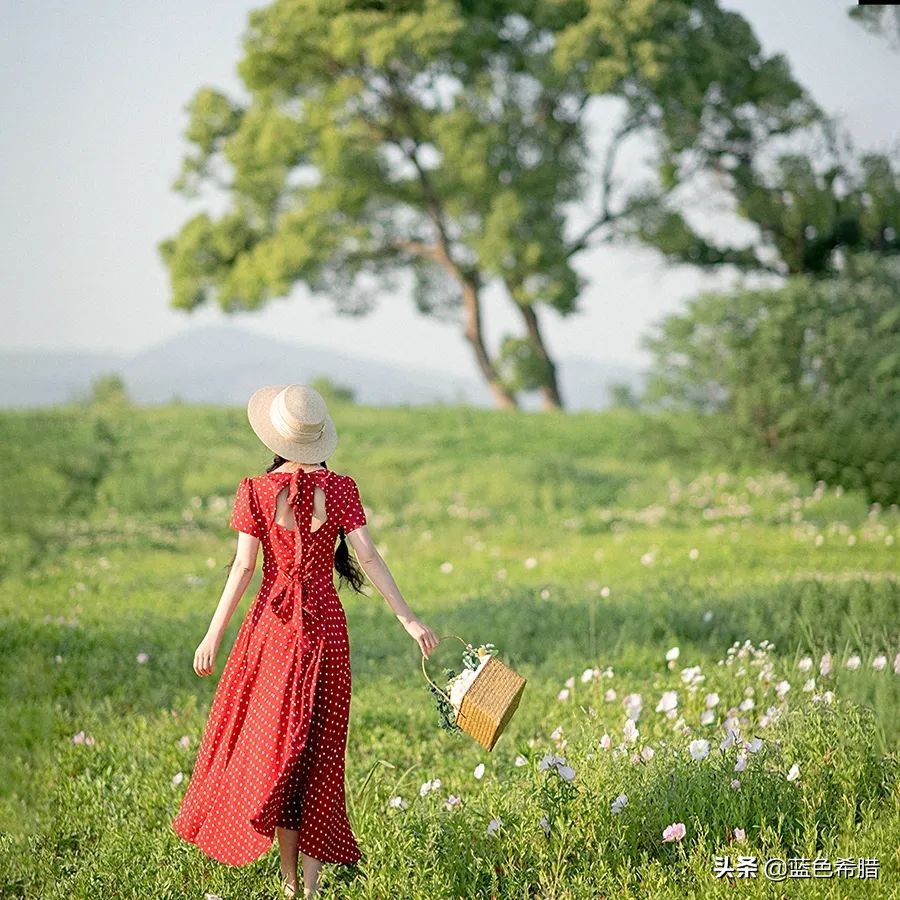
column 272, row 752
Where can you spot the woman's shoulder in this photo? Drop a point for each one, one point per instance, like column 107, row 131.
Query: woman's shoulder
column 249, row 481
column 257, row 485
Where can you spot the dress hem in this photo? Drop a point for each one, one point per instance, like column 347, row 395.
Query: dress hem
column 332, row 861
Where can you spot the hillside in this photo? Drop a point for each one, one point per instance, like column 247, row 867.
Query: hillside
column 586, row 546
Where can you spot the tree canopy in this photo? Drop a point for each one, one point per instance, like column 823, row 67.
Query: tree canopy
column 447, row 140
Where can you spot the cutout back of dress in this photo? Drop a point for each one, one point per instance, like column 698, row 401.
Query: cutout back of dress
column 284, row 518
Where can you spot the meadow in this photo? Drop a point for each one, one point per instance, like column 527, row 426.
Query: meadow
column 711, row 645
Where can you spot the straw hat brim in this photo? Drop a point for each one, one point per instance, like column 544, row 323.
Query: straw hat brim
column 258, row 408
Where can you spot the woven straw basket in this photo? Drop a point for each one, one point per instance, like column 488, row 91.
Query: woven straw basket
column 489, row 703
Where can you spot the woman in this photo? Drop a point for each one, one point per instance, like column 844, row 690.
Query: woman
column 271, row 759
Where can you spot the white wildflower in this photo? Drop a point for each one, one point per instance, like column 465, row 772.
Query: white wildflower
column 668, row 702
column 730, row 738
column 633, row 704
column 428, row 786
column 629, row 732
column 699, row 749
column 550, row 759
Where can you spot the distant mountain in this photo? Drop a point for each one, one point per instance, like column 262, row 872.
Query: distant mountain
column 46, row 377
column 225, row 364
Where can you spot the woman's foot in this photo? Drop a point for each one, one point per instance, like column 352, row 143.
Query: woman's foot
column 288, row 889
column 312, row 869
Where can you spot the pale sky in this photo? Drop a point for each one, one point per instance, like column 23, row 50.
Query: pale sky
column 92, row 98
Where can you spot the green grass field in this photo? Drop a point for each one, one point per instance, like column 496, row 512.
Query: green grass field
column 585, row 546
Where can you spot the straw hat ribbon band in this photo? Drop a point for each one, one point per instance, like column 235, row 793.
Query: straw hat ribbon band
column 289, row 426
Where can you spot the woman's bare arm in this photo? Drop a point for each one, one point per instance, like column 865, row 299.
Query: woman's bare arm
column 377, row 571
column 239, row 577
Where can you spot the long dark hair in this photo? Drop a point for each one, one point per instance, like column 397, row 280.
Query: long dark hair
column 346, row 567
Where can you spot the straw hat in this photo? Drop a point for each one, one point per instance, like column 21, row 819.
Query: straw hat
column 292, row 420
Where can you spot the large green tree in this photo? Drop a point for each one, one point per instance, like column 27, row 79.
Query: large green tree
column 447, row 139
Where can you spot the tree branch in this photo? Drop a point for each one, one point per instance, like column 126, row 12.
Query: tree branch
column 606, row 215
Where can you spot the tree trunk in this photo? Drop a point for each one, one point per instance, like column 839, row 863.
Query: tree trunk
column 467, row 279
column 550, row 395
column 474, row 335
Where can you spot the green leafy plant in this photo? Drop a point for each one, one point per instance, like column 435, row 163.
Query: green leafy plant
column 446, row 713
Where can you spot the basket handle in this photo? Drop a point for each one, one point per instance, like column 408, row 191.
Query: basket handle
column 442, row 638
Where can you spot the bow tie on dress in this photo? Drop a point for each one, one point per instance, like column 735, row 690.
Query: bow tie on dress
column 296, row 483
column 289, row 591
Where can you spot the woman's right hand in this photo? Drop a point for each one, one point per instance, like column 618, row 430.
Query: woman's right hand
column 422, row 635
column 205, row 655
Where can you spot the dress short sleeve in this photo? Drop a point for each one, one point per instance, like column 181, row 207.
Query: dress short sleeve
column 353, row 515
column 245, row 514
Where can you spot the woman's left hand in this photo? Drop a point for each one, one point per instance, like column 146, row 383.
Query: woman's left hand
column 422, row 635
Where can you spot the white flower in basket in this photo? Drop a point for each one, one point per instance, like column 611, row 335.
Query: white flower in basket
column 462, row 682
